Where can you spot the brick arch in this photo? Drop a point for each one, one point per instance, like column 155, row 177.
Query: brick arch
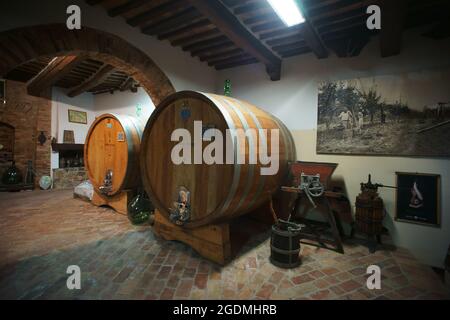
column 21, row 45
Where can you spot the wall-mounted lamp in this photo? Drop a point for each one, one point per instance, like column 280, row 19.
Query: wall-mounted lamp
column 42, row 138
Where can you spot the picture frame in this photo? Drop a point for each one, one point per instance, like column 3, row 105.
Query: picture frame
column 371, row 115
column 418, row 198
column 76, row 116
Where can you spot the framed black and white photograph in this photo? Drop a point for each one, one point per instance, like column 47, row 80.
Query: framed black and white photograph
column 418, row 198
column 406, row 114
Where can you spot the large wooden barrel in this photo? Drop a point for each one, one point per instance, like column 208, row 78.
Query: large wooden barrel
column 112, row 144
column 215, row 192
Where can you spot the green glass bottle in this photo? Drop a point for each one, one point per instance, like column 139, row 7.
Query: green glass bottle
column 140, row 209
column 12, row 175
column 227, row 88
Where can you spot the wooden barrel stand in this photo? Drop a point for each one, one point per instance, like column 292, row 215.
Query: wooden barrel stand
column 118, row 202
column 211, row 241
column 219, row 242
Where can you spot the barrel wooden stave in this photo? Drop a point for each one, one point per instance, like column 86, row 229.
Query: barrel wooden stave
column 103, row 151
column 219, row 192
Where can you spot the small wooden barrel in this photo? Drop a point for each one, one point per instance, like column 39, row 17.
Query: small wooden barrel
column 113, row 144
column 369, row 213
column 210, row 193
column 285, row 244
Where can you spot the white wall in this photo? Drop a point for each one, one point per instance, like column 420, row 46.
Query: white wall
column 61, row 103
column 294, row 101
column 125, row 103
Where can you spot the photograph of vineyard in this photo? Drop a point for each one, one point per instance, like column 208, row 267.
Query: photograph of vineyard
column 396, row 115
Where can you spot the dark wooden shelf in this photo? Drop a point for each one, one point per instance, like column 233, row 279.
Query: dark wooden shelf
column 67, row 147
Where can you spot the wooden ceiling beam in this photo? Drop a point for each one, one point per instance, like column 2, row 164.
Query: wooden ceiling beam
column 294, row 52
column 280, row 33
column 227, row 22
column 156, row 12
column 232, row 59
column 126, row 7
column 343, row 9
column 127, row 84
column 227, row 56
column 284, row 47
column 185, row 30
column 313, row 40
column 285, row 40
column 96, row 79
column 361, row 24
column 349, row 47
column 341, row 23
column 54, row 71
column 393, row 16
column 251, row 7
column 271, row 16
column 196, row 37
column 182, row 18
column 220, row 55
column 268, row 26
column 236, row 64
column 234, row 3
column 205, row 43
column 214, row 48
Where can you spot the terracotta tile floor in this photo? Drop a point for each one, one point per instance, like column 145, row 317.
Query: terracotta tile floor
column 42, row 233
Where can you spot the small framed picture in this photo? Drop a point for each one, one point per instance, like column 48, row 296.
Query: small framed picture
column 76, row 116
column 418, row 198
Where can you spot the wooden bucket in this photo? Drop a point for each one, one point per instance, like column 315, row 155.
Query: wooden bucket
column 113, row 144
column 212, row 192
column 285, row 244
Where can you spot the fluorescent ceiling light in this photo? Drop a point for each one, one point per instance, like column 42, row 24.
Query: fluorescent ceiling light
column 288, row 11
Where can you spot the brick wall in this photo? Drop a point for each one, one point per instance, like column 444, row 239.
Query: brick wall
column 29, row 116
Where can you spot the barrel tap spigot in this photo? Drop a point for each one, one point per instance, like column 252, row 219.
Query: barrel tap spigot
column 106, row 188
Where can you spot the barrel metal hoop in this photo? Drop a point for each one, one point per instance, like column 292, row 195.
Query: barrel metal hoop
column 236, row 145
column 139, row 125
column 291, row 139
column 262, row 179
column 252, row 146
column 285, row 137
column 126, row 125
column 286, row 252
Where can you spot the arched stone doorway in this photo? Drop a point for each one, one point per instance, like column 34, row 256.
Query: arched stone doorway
column 21, row 45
